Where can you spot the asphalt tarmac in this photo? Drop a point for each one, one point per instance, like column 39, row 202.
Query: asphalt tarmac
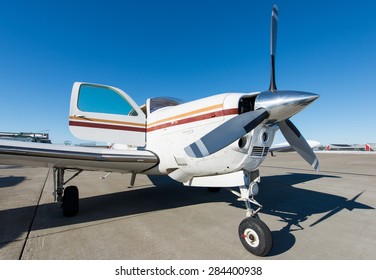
column 312, row 215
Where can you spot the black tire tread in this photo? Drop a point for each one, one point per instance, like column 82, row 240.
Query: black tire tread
column 265, row 236
column 70, row 201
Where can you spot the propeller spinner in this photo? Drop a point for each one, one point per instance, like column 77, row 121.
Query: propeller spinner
column 271, row 107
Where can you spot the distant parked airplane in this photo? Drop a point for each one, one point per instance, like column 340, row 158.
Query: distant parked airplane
column 347, row 147
column 286, row 147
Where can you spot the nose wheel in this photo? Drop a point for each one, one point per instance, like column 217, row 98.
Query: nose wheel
column 255, row 236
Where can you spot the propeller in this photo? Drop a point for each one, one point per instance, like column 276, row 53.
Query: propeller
column 288, row 129
column 271, row 107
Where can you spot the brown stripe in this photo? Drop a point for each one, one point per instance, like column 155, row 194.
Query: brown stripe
column 195, row 119
column 106, row 121
column 206, row 116
column 201, row 110
column 107, row 126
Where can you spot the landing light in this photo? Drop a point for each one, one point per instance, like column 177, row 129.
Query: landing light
column 264, row 137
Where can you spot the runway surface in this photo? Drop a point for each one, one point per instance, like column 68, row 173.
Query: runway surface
column 312, row 215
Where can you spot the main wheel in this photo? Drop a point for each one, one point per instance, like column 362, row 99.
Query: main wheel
column 255, row 236
column 70, row 201
column 213, row 189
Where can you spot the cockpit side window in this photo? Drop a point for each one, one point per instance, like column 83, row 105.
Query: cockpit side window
column 157, row 103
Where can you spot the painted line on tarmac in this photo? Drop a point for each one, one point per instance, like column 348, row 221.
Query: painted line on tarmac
column 35, row 213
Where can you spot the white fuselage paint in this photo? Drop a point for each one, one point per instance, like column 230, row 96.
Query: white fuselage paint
column 171, row 129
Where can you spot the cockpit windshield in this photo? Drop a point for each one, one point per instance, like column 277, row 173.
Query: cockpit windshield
column 157, row 103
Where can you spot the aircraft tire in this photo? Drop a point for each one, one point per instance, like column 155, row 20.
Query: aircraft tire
column 255, row 236
column 213, row 189
column 70, row 201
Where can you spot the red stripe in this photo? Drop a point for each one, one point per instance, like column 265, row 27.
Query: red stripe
column 107, row 126
column 206, row 116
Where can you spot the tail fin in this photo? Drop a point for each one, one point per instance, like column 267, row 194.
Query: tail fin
column 368, row 148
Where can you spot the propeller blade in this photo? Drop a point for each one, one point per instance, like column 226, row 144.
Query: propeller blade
column 273, row 46
column 226, row 133
column 297, row 141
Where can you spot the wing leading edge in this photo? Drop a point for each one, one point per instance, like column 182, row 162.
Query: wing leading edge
column 74, row 157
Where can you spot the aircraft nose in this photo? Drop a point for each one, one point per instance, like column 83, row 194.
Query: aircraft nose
column 283, row 104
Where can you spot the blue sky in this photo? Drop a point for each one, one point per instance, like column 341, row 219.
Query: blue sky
column 189, row 49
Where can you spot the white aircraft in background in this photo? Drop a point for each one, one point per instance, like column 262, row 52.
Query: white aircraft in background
column 218, row 141
column 286, row 147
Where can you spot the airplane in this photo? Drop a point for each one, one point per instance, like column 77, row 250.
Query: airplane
column 215, row 142
column 347, row 147
column 286, row 147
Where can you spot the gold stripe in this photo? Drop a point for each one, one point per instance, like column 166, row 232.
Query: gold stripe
column 106, row 121
column 187, row 114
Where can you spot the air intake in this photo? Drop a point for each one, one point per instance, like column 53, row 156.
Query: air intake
column 259, row 151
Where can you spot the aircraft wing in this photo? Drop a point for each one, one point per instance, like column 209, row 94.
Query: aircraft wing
column 75, row 157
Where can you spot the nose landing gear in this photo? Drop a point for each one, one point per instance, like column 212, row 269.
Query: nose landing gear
column 254, row 234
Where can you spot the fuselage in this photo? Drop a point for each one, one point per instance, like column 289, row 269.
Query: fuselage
column 167, row 128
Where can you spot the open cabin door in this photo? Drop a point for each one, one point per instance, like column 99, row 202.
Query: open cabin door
column 106, row 114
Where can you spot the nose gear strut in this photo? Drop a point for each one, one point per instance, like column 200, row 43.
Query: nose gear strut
column 248, row 191
column 254, row 234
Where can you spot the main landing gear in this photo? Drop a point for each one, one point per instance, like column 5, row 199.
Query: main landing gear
column 254, row 234
column 67, row 197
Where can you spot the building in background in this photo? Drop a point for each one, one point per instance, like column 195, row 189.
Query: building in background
column 26, row 137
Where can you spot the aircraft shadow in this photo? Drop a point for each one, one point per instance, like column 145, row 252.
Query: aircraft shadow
column 11, row 181
column 290, row 204
column 294, row 205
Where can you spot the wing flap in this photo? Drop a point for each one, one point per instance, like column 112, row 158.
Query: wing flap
column 75, row 157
